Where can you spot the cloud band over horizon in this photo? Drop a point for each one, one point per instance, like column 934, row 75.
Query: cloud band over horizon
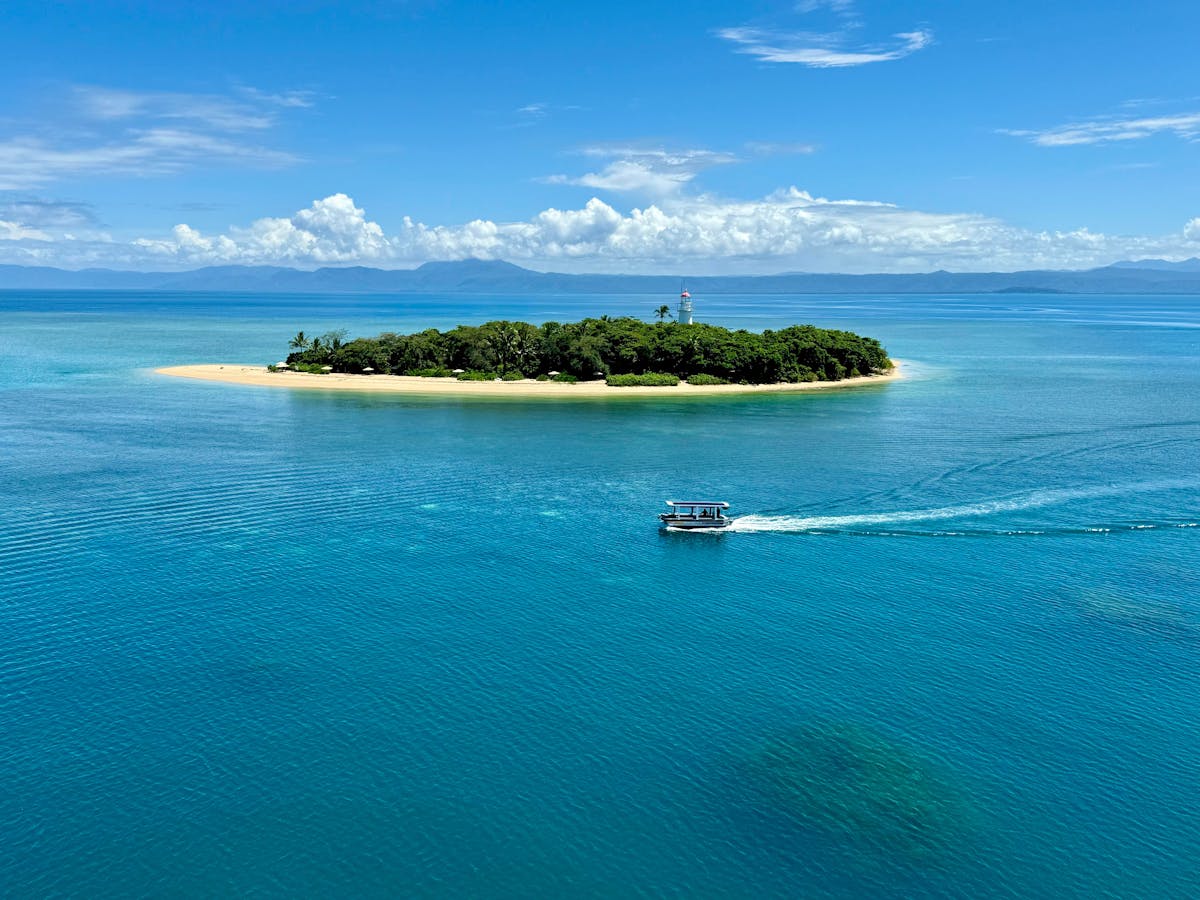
column 787, row 230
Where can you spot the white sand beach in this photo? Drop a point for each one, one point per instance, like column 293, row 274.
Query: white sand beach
column 405, row 384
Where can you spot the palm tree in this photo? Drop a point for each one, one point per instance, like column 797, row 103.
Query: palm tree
column 333, row 339
column 663, row 312
column 299, row 342
column 512, row 346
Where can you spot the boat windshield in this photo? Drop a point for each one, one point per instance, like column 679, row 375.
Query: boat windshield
column 698, row 510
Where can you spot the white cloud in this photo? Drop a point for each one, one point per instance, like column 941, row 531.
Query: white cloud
column 825, row 49
column 285, row 99
column 820, row 51
column 132, row 133
column 537, row 112
column 213, row 111
column 251, row 110
column 48, row 213
column 330, row 231
column 16, row 231
column 27, row 162
column 1113, row 129
column 771, row 148
column 33, row 229
column 651, row 171
column 788, row 230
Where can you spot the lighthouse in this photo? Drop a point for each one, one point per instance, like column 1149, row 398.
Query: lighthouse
column 685, row 308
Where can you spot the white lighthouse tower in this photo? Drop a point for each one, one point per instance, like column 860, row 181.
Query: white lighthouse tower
column 685, row 308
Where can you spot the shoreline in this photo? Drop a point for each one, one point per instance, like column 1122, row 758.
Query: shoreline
column 258, row 376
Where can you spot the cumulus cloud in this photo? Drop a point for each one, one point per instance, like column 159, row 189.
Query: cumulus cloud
column 790, row 229
column 330, row 231
column 821, row 51
column 1113, row 129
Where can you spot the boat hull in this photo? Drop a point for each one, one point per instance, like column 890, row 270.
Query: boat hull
column 691, row 523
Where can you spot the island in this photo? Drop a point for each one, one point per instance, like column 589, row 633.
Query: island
column 602, row 355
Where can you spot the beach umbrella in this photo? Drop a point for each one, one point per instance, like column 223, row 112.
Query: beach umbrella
column 457, row 371
column 281, row 365
column 368, row 370
column 553, row 374
column 598, row 374
column 326, row 368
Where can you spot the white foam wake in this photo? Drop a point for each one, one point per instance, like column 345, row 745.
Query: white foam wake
column 1015, row 503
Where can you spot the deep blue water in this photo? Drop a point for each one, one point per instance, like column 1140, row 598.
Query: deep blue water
column 262, row 642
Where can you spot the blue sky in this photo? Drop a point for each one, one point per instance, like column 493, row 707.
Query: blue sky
column 814, row 135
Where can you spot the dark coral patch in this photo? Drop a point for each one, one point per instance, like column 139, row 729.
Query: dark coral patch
column 862, row 785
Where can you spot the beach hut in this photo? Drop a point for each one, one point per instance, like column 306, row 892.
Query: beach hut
column 281, row 365
column 554, row 374
column 367, row 370
column 326, row 368
column 457, row 371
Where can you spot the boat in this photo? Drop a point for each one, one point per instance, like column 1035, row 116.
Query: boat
column 695, row 514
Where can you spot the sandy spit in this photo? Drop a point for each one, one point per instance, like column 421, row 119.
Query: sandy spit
column 407, row 384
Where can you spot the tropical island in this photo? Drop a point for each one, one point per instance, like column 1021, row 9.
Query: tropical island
column 615, row 349
column 599, row 352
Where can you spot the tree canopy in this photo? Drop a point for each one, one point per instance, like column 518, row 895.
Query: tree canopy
column 606, row 346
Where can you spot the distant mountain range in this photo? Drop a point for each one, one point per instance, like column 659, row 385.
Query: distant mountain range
column 1186, row 265
column 484, row 276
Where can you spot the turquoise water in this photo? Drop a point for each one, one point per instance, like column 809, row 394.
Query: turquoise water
column 255, row 641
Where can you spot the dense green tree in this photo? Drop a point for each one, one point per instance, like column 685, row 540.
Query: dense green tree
column 606, row 345
column 359, row 354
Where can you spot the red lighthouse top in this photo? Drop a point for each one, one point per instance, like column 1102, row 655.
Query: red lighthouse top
column 685, row 295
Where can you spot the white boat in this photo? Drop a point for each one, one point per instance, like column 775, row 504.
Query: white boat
column 695, row 514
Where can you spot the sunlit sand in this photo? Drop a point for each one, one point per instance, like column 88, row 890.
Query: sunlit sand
column 258, row 376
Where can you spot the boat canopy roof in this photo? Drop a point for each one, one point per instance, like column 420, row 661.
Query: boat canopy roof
column 712, row 504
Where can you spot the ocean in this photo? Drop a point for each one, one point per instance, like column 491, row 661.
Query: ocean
column 260, row 642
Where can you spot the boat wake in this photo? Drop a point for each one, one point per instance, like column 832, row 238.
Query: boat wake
column 900, row 522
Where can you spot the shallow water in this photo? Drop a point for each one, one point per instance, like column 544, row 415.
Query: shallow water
column 273, row 642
